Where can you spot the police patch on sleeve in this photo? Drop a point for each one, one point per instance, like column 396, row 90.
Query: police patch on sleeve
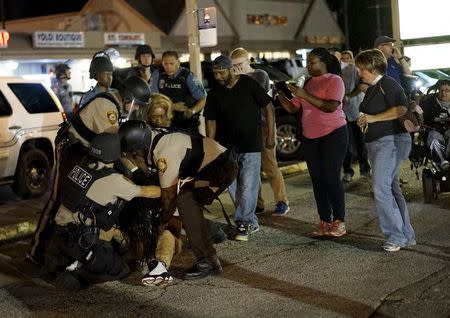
column 162, row 165
column 112, row 117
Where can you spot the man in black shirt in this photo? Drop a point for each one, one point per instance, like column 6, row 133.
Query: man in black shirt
column 233, row 118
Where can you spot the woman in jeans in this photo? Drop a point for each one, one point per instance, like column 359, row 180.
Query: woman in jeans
column 388, row 145
column 325, row 136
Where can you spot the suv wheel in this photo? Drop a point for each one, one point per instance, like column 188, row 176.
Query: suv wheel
column 288, row 147
column 33, row 173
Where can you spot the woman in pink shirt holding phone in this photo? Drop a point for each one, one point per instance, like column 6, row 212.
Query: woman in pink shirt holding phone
column 324, row 136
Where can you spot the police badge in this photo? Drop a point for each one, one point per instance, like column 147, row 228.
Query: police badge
column 161, row 83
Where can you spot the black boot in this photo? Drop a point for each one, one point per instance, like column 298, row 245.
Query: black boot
column 204, row 267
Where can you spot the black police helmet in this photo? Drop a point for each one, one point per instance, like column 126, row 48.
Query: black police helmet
column 100, row 64
column 134, row 135
column 143, row 49
column 60, row 70
column 105, row 147
column 136, row 88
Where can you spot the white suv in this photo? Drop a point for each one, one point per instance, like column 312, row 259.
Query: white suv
column 29, row 117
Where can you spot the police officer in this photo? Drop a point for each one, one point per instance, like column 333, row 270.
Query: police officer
column 91, row 196
column 98, row 114
column 62, row 88
column 136, row 96
column 183, row 88
column 100, row 69
column 144, row 56
column 193, row 170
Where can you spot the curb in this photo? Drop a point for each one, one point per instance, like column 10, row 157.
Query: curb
column 19, row 230
column 294, row 168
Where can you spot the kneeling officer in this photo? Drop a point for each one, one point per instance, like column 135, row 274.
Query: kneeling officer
column 92, row 194
column 193, row 170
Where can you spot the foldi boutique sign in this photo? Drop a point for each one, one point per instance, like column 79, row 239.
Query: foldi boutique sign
column 58, row 39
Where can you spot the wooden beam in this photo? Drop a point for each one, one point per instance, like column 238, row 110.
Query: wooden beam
column 304, row 19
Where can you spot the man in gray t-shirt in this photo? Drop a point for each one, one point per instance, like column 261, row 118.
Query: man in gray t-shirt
column 269, row 164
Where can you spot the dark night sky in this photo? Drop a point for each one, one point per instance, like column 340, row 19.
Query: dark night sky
column 361, row 15
column 362, row 21
column 16, row 9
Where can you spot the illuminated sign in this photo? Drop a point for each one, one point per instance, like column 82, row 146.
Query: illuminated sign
column 4, row 39
column 58, row 39
column 419, row 19
column 114, row 38
column 207, row 26
column 266, row 19
column 420, row 56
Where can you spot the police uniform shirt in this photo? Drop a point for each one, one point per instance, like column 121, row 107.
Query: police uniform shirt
column 63, row 91
column 171, row 150
column 99, row 116
column 103, row 191
column 195, row 87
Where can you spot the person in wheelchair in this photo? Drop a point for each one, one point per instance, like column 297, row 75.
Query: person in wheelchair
column 436, row 108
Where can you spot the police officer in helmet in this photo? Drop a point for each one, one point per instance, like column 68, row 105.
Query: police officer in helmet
column 135, row 96
column 144, row 56
column 91, row 200
column 193, row 170
column 101, row 69
column 99, row 113
column 62, row 88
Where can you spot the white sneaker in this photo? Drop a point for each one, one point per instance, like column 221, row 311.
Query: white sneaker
column 391, row 247
column 157, row 275
column 347, row 178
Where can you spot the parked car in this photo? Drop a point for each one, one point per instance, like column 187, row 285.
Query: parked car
column 29, row 117
column 288, row 147
column 427, row 78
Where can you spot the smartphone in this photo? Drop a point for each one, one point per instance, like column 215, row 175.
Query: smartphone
column 282, row 87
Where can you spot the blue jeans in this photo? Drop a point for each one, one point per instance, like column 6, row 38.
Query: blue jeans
column 244, row 190
column 386, row 155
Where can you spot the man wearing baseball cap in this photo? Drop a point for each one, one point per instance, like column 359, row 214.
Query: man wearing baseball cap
column 233, row 118
column 397, row 64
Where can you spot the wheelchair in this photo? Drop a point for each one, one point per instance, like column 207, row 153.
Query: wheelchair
column 435, row 180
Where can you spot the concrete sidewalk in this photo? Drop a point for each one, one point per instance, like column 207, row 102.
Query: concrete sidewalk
column 18, row 218
column 279, row 272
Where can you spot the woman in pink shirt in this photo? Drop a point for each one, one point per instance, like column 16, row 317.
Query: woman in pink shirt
column 324, row 137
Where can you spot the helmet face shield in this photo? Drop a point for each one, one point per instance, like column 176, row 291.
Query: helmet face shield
column 135, row 88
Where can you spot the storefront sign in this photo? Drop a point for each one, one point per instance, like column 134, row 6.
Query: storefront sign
column 58, row 39
column 124, row 38
column 4, row 39
column 207, row 26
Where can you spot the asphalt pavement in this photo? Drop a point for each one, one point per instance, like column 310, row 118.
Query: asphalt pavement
column 279, row 272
